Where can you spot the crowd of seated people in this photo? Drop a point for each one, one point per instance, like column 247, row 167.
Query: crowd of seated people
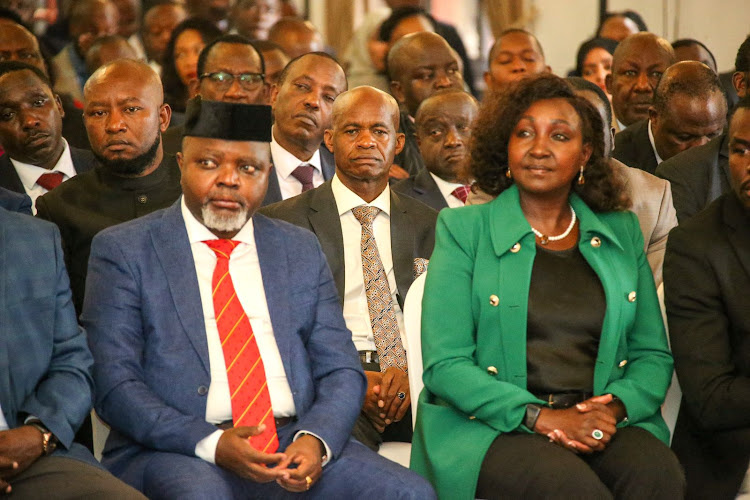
column 210, row 223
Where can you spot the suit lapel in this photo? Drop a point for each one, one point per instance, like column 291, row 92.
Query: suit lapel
column 426, row 184
column 327, row 163
column 8, row 176
column 6, row 398
column 325, row 223
column 738, row 223
column 172, row 247
column 273, row 193
column 402, row 247
column 644, row 149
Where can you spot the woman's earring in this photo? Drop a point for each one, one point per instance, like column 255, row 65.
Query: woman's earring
column 581, row 178
column 508, row 174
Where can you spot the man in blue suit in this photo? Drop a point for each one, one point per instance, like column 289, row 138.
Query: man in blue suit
column 163, row 376
column 45, row 380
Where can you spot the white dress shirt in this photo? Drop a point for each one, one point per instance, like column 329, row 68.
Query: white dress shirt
column 285, row 162
column 446, row 189
column 244, row 268
column 30, row 173
column 356, row 313
column 653, row 144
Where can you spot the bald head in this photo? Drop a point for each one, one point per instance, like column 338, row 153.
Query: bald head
column 296, row 37
column 108, row 49
column 689, row 108
column 349, row 100
column 421, row 64
column 637, row 65
column 19, row 44
column 136, row 73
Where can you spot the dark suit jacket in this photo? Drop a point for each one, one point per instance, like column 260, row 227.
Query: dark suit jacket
column 15, row 202
column 412, row 231
column 698, row 176
column 83, row 161
column 633, row 148
column 145, row 324
column 706, row 278
column 44, row 361
column 422, row 187
column 171, row 139
column 327, row 164
column 410, row 158
column 95, row 200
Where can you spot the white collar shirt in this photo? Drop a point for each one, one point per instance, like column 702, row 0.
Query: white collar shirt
column 653, row 144
column 29, row 174
column 284, row 164
column 446, row 189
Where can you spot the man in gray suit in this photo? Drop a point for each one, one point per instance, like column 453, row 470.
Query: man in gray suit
column 399, row 234
column 700, row 175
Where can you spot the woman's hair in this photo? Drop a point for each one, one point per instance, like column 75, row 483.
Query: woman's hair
column 175, row 92
column 603, row 190
column 588, row 46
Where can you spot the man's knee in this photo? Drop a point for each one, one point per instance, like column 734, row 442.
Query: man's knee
column 170, row 476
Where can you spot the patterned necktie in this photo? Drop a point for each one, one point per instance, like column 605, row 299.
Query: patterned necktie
column 50, row 180
column 304, row 174
column 379, row 302
column 251, row 401
column 462, row 192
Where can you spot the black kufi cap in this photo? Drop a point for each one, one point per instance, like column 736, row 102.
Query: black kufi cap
column 228, row 121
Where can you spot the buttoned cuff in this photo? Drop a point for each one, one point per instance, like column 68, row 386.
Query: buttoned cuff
column 206, row 447
column 325, row 445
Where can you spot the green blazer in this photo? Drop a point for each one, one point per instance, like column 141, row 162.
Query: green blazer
column 474, row 333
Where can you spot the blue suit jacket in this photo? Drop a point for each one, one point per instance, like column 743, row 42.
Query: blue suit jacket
column 145, row 323
column 44, row 361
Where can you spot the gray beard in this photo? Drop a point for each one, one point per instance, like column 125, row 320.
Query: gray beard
column 221, row 223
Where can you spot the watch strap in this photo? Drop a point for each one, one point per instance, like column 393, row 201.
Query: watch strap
column 532, row 415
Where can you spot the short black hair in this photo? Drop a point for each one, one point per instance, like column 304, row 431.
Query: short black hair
column 231, row 38
column 742, row 61
column 285, row 72
column 12, row 66
column 267, row 46
column 630, row 14
column 687, row 42
column 398, row 15
column 508, row 32
column 702, row 85
column 11, row 15
column 581, row 84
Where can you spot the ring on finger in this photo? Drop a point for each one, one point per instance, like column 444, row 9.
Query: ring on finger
column 597, row 434
column 309, row 481
column 401, row 395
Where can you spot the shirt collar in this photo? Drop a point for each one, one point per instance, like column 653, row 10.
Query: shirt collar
column 446, row 188
column 620, row 126
column 198, row 233
column 29, row 174
column 653, row 144
column 285, row 162
column 346, row 199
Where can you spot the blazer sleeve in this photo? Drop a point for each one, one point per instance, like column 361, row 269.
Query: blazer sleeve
column 714, row 393
column 657, row 245
column 648, row 373
column 117, row 336
column 62, row 398
column 449, row 335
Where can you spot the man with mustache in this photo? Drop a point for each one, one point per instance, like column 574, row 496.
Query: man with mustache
column 637, row 65
column 302, row 102
column 443, row 132
column 37, row 158
column 222, row 360
column 124, row 114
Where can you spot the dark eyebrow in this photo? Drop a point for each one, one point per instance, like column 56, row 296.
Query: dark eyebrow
column 736, row 140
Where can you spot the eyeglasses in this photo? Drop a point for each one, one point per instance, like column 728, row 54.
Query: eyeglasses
column 223, row 80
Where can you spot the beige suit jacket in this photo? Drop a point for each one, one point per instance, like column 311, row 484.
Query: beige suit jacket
column 652, row 203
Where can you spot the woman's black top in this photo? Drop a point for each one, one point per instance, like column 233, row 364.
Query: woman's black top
column 565, row 317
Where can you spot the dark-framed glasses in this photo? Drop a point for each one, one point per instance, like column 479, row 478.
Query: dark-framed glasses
column 223, row 80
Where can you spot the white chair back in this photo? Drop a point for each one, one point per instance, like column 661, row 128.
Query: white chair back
column 671, row 406
column 412, row 339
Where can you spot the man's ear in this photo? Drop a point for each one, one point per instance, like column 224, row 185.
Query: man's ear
column 653, row 115
column 608, row 83
column 59, row 105
column 398, row 92
column 739, row 81
column 273, row 94
column 548, row 69
column 400, row 141
column 328, row 139
column 194, row 87
column 165, row 116
column 180, row 159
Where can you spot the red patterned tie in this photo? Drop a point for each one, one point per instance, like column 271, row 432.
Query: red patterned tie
column 50, row 181
column 251, row 401
column 462, row 192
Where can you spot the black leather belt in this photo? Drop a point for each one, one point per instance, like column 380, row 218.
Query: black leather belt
column 564, row 400
column 369, row 357
column 280, row 422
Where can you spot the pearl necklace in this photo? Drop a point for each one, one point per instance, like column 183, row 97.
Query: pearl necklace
column 546, row 239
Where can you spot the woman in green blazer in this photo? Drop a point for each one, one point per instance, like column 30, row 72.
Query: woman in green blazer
column 545, row 357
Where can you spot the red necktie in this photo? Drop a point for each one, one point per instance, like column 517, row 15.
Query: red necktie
column 304, row 174
column 251, row 401
column 462, row 192
column 50, row 180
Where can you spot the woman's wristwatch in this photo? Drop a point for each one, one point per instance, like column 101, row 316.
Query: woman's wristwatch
column 49, row 440
column 532, row 415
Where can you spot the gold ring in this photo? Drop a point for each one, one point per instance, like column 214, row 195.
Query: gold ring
column 309, row 481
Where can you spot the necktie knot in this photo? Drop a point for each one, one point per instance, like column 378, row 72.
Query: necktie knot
column 365, row 214
column 304, row 174
column 50, row 180
column 222, row 248
column 462, row 193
